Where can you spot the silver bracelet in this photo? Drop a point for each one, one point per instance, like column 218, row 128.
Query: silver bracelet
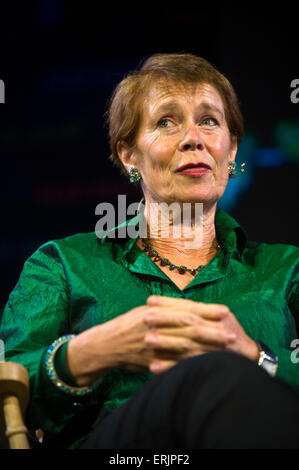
column 75, row 391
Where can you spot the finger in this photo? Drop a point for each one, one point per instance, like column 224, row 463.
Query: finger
column 175, row 344
column 217, row 337
column 161, row 365
column 163, row 317
column 157, row 367
column 206, row 310
column 172, row 316
column 188, row 340
column 164, row 360
column 205, row 332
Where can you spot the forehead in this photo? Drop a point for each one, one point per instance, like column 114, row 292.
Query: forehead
column 165, row 93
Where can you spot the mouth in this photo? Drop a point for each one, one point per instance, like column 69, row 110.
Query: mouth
column 194, row 169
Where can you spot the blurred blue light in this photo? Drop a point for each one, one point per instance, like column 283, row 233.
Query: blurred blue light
column 267, row 157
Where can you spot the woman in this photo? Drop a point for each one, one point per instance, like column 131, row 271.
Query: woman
column 170, row 346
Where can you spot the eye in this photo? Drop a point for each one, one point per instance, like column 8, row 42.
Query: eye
column 207, row 121
column 164, row 122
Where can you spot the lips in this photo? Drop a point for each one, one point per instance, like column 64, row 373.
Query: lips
column 193, row 166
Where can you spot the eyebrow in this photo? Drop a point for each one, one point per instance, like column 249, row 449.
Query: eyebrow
column 167, row 107
column 211, row 107
column 172, row 106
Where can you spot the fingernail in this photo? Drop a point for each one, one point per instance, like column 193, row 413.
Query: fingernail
column 231, row 337
column 224, row 310
column 153, row 299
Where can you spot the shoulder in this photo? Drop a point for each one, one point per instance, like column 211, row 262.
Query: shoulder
column 98, row 244
column 273, row 248
column 74, row 242
column 74, row 248
column 272, row 254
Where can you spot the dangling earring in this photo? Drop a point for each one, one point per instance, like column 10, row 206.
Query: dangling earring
column 135, row 176
column 232, row 169
column 141, row 203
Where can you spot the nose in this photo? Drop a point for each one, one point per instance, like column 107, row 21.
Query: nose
column 191, row 139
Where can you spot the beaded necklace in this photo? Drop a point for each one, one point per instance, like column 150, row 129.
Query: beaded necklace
column 154, row 255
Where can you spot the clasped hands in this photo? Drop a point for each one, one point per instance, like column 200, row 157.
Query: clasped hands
column 181, row 328
column 155, row 337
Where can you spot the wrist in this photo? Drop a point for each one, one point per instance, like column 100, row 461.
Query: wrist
column 85, row 363
column 254, row 351
column 60, row 366
column 52, row 373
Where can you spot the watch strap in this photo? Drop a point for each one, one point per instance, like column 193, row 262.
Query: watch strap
column 267, row 360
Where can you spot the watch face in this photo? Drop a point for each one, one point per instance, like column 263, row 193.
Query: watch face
column 270, row 367
column 268, row 362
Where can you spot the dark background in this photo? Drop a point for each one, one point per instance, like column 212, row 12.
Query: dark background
column 60, row 61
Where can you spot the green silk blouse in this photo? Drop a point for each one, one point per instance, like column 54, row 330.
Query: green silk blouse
column 72, row 284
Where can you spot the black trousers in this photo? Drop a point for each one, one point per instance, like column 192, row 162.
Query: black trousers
column 219, row 400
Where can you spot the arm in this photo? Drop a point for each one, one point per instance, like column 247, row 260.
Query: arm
column 36, row 315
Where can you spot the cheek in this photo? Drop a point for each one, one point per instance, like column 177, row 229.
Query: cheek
column 220, row 148
column 156, row 150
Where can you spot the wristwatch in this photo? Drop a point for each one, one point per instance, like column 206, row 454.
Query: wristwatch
column 267, row 360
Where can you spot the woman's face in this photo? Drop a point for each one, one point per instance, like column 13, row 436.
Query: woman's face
column 183, row 145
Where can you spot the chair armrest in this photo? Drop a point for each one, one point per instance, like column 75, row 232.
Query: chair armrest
column 14, row 398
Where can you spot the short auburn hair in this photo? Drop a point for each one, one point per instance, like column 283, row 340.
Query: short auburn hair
column 126, row 103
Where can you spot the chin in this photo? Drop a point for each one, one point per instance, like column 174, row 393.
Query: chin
column 200, row 197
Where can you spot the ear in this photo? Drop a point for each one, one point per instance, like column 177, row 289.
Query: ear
column 126, row 155
column 233, row 149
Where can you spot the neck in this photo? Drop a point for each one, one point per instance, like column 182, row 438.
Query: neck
column 177, row 230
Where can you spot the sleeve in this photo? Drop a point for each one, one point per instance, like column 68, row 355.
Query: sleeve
column 36, row 314
column 288, row 357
